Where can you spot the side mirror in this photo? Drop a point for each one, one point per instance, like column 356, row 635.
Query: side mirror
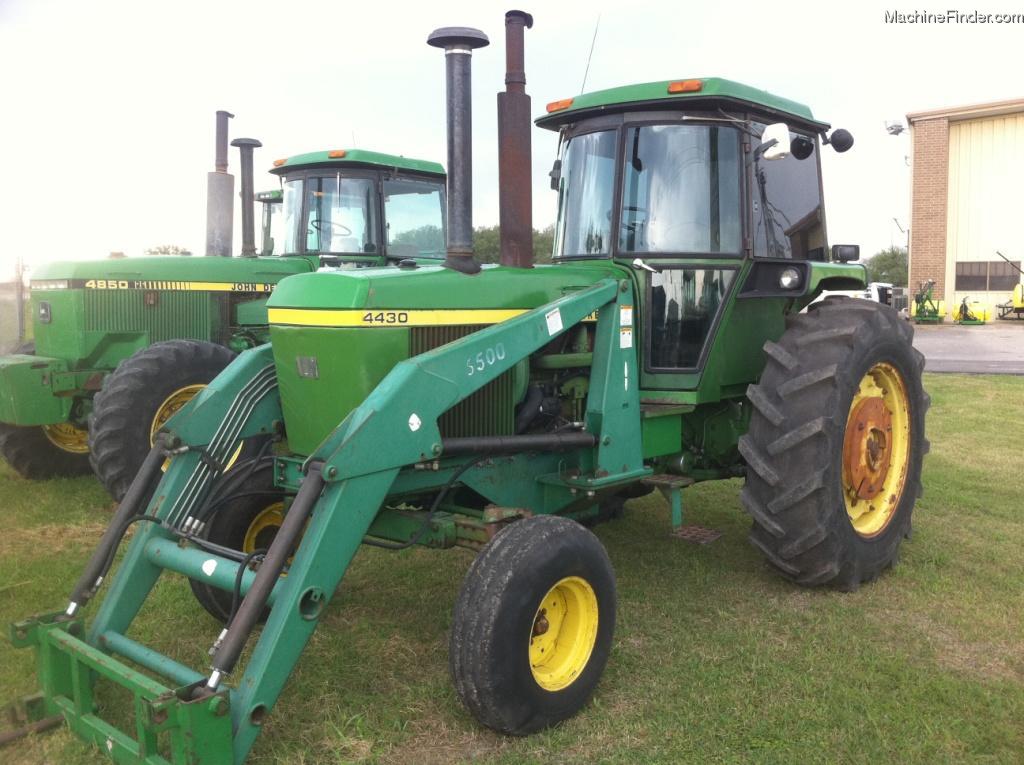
column 801, row 147
column 841, row 140
column 775, row 141
column 844, row 253
column 555, row 174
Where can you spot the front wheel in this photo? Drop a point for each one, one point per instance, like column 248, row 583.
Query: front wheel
column 46, row 451
column 533, row 625
column 247, row 520
column 835, row 444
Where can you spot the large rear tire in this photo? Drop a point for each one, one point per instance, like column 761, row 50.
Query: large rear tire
column 533, row 624
column 835, row 444
column 138, row 397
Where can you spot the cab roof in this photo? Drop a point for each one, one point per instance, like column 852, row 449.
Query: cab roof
column 694, row 93
column 356, row 158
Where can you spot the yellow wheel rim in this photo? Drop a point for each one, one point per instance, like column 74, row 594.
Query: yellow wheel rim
column 66, row 436
column 563, row 633
column 263, row 528
column 169, row 408
column 876, row 450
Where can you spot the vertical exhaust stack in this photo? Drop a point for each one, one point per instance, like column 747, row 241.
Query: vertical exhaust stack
column 220, row 193
column 245, row 148
column 515, row 177
column 458, row 44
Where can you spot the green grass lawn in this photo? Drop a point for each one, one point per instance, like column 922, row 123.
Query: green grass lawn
column 716, row 659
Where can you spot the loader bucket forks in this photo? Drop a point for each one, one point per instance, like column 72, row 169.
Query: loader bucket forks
column 195, row 718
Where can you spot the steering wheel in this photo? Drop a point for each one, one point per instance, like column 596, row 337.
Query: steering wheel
column 633, row 225
column 330, row 227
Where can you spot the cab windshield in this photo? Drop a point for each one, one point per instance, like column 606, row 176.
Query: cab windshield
column 340, row 216
column 680, row 192
column 272, row 226
column 332, row 214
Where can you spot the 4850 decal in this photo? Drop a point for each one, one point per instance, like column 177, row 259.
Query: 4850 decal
column 180, row 286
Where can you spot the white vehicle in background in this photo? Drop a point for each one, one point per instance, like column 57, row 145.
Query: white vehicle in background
column 879, row 292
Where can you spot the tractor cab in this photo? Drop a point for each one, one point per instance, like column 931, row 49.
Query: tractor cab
column 689, row 168
column 270, row 220
column 361, row 208
column 706, row 189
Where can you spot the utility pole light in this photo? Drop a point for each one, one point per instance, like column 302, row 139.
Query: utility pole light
column 894, row 128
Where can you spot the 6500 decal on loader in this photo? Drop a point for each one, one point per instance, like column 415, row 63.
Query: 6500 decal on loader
column 121, row 345
column 496, row 413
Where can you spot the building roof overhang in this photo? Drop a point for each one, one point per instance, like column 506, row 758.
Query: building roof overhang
column 969, row 112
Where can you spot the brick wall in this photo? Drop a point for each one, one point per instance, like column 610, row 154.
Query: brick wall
column 929, row 198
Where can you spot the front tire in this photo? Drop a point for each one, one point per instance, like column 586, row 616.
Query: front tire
column 247, row 524
column 835, row 444
column 533, row 625
column 46, row 451
column 138, row 397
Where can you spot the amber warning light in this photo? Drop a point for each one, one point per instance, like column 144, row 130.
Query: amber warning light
column 685, row 86
column 557, row 106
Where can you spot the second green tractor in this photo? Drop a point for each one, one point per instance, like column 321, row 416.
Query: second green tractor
column 121, row 344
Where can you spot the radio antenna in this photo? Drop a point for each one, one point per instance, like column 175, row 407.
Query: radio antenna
column 591, row 54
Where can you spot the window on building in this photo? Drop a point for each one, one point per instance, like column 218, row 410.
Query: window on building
column 1003, row 276
column 987, row 276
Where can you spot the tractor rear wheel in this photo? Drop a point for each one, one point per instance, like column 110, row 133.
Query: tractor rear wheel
column 835, row 444
column 140, row 396
column 46, row 451
column 533, row 625
column 247, row 524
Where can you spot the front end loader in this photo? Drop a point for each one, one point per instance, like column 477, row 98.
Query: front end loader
column 501, row 408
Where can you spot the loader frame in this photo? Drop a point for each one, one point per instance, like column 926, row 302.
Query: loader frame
column 189, row 717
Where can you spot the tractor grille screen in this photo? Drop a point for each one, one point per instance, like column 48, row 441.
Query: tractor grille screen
column 164, row 315
column 488, row 412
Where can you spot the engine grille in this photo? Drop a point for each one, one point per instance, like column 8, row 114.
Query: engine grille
column 488, row 412
column 171, row 315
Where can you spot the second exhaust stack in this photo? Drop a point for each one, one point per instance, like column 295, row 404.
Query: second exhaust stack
column 458, row 44
column 515, row 191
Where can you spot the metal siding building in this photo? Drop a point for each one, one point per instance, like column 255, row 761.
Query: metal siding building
column 966, row 200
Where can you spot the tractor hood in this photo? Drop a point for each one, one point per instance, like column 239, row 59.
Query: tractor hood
column 427, row 288
column 337, row 334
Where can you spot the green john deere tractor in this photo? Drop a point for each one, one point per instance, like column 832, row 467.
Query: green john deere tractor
column 499, row 408
column 122, row 344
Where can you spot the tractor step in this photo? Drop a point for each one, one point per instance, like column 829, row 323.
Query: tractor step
column 668, row 480
column 698, row 535
column 671, row 487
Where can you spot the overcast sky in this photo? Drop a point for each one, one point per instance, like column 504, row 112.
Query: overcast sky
column 107, row 126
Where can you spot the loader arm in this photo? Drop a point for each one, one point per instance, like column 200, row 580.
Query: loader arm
column 348, row 480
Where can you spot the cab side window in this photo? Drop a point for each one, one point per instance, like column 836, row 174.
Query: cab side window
column 788, row 218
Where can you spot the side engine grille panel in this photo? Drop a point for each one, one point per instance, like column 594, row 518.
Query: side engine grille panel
column 488, row 412
column 168, row 316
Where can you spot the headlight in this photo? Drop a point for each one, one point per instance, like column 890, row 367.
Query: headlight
column 789, row 278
